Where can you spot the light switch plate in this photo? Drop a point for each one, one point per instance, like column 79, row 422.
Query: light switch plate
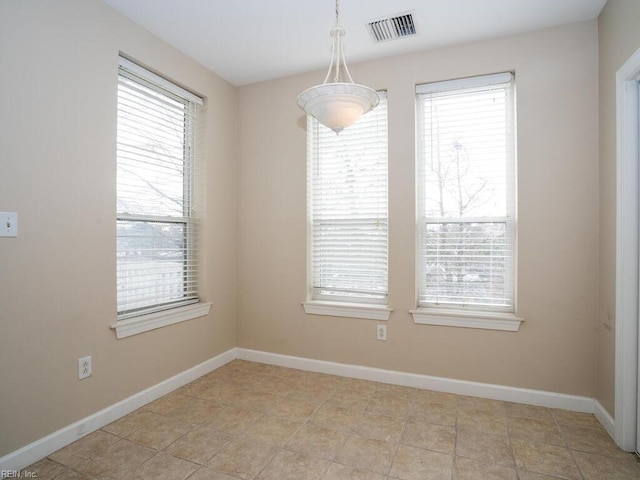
column 8, row 224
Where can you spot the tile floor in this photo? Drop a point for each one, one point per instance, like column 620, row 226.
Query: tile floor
column 254, row 421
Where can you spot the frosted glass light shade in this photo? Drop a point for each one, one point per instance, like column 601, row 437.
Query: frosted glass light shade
column 338, row 105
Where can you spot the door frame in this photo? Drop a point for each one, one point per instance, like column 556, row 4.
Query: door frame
column 627, row 254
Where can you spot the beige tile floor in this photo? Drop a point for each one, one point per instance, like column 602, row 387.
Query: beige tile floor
column 254, row 421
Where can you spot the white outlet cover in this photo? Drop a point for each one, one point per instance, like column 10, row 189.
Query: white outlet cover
column 85, row 369
column 8, row 224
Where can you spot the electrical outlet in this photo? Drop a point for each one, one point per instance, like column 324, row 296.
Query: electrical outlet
column 381, row 332
column 85, row 368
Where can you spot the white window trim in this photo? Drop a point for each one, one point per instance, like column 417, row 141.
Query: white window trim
column 148, row 75
column 457, row 316
column 469, row 82
column 132, row 323
column 370, row 311
column 352, row 306
column 151, row 321
column 467, row 319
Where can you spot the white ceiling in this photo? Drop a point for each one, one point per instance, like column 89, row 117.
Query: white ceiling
column 246, row 41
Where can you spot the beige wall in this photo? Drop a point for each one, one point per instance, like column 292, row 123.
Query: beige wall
column 57, row 297
column 555, row 349
column 58, row 64
column 618, row 39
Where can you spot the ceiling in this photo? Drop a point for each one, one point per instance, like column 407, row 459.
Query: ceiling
column 247, row 41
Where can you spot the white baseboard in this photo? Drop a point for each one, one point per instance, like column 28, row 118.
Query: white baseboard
column 39, row 449
column 604, row 418
column 460, row 387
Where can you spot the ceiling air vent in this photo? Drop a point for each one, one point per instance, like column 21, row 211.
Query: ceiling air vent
column 392, row 27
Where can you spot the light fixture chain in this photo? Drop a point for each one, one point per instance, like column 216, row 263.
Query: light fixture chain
column 339, row 103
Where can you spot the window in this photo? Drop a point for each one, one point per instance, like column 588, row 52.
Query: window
column 156, row 232
column 348, row 220
column 466, row 195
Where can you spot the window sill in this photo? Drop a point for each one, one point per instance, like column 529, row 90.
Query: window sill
column 144, row 323
column 351, row 310
column 472, row 319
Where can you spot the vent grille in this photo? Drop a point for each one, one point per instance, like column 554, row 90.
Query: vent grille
column 392, row 28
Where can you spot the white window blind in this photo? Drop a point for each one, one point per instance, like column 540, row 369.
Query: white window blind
column 348, row 209
column 466, row 193
column 156, row 234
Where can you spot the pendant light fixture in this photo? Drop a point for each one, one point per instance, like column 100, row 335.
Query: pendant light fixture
column 338, row 102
